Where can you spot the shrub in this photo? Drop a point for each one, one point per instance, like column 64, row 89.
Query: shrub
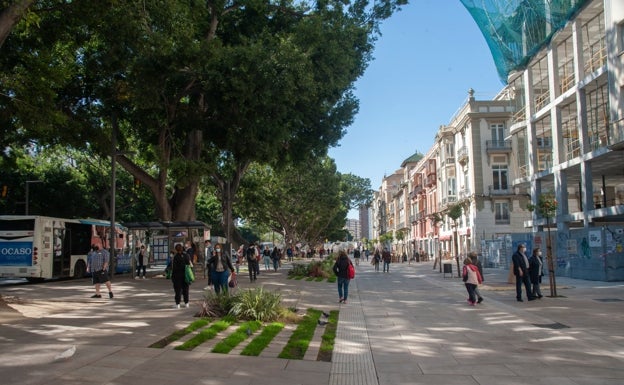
column 298, row 270
column 257, row 305
column 216, row 305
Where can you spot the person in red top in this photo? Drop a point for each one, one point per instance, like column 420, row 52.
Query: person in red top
column 472, row 278
column 341, row 269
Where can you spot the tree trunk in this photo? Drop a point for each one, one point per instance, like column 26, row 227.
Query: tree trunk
column 10, row 16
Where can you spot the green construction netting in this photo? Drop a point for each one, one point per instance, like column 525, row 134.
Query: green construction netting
column 515, row 30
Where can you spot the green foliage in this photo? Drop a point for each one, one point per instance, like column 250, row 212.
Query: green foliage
column 299, row 270
column 207, row 334
column 180, row 333
column 546, row 205
column 259, row 343
column 455, row 212
column 305, row 198
column 240, row 335
column 272, row 84
column 312, row 270
column 299, row 341
column 217, row 305
column 257, row 304
column 329, row 337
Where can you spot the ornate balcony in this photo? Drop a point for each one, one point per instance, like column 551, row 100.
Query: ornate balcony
column 498, row 146
column 462, row 155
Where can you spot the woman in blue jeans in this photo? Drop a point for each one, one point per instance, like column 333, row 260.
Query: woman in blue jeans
column 341, row 269
column 220, row 267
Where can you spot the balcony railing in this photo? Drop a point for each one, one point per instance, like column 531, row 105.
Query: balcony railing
column 449, row 200
column 500, row 191
column 542, row 100
column 519, row 116
column 462, row 155
column 464, row 193
column 498, row 146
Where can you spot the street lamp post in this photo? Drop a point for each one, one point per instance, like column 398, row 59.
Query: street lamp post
column 26, row 198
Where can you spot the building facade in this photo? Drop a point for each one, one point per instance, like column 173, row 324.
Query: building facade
column 556, row 130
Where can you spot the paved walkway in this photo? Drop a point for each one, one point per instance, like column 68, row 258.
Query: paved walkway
column 409, row 326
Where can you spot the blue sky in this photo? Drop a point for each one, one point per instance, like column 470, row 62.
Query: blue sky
column 429, row 55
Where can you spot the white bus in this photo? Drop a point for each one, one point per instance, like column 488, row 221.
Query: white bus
column 38, row 247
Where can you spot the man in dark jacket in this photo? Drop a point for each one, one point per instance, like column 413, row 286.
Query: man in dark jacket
column 252, row 261
column 521, row 271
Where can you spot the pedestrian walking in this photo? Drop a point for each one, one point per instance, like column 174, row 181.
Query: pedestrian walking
column 341, row 269
column 240, row 253
column 472, row 279
column 536, row 272
column 356, row 256
column 376, row 259
column 140, row 258
column 275, row 258
column 387, row 258
column 98, row 261
column 474, row 257
column 252, row 262
column 266, row 257
column 521, row 272
column 178, row 275
column 220, row 268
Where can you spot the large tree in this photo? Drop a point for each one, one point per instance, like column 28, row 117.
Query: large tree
column 194, row 89
column 307, row 202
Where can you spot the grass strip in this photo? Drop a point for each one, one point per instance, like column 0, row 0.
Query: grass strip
column 258, row 344
column 319, row 279
column 200, row 323
column 240, row 335
column 329, row 337
column 207, row 334
column 332, row 279
column 299, row 341
column 309, row 279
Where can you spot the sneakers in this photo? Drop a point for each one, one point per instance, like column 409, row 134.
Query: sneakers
column 341, row 300
column 176, row 306
column 344, row 301
column 137, row 277
column 110, row 294
column 143, row 277
column 96, row 296
column 186, row 305
column 480, row 300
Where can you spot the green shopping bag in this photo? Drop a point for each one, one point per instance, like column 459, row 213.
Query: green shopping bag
column 189, row 276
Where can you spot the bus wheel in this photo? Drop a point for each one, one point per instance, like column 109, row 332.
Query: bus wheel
column 80, row 270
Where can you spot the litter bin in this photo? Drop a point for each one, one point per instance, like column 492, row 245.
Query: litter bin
column 447, row 268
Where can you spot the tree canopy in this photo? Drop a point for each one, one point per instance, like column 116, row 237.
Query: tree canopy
column 192, row 92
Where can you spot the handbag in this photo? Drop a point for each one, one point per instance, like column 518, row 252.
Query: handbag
column 351, row 271
column 233, row 281
column 189, row 276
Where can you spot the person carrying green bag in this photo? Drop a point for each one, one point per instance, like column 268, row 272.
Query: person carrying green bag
column 179, row 265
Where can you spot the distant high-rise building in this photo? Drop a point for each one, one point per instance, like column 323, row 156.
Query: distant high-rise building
column 365, row 222
column 353, row 227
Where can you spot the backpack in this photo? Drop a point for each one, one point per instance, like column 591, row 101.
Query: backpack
column 251, row 254
column 351, row 271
